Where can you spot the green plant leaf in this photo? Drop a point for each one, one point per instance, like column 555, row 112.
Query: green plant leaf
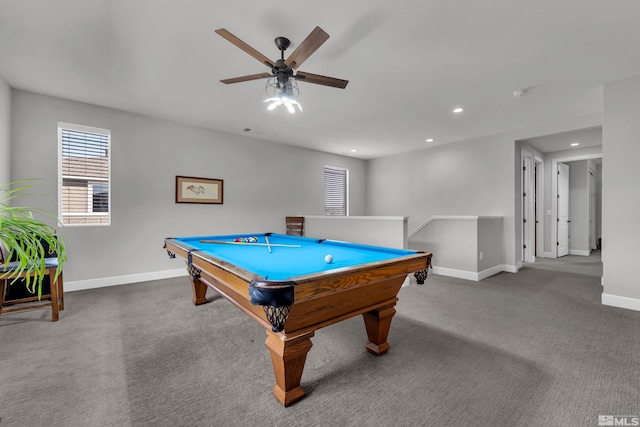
column 25, row 237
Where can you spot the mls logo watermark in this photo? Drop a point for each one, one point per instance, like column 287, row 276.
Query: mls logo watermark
column 618, row 420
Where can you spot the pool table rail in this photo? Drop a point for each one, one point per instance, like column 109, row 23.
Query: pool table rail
column 275, row 297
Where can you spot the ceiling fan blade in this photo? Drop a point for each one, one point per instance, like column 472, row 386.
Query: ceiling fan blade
column 321, row 80
column 245, row 47
column 307, row 47
column 246, row 78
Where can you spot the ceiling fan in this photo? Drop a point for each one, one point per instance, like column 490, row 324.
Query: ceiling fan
column 282, row 77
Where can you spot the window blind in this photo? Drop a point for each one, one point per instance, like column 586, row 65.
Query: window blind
column 335, row 191
column 85, row 177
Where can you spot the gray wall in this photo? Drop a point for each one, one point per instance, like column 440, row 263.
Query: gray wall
column 263, row 182
column 5, row 129
column 474, row 177
column 490, row 243
column 620, row 195
column 454, row 243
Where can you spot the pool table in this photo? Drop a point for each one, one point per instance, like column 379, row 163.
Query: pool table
column 294, row 285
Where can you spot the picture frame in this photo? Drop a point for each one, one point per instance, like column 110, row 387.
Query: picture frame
column 190, row 189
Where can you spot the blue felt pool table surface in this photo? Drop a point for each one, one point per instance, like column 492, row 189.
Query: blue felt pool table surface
column 285, row 263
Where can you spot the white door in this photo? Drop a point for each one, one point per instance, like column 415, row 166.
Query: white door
column 563, row 209
column 525, row 212
column 592, row 211
column 528, row 206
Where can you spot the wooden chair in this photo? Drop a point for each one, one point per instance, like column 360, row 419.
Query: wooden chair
column 295, row 225
column 52, row 289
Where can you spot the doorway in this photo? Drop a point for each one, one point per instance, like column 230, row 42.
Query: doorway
column 562, row 206
column 593, row 212
column 584, row 240
column 532, row 196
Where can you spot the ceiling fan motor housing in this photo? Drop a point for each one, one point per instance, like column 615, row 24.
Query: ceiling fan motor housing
column 282, row 43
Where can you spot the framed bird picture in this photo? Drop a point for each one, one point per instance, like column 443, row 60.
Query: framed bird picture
column 190, row 189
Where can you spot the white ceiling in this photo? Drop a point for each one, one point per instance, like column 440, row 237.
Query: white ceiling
column 408, row 63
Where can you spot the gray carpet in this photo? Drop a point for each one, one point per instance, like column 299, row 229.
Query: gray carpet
column 534, row 348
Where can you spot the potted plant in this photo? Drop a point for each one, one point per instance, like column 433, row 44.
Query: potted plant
column 26, row 239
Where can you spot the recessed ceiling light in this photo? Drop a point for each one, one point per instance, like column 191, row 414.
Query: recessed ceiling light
column 520, row 93
column 575, row 144
column 353, row 151
column 429, row 139
column 458, row 110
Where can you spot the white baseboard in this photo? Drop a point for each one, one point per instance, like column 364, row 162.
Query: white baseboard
column 489, row 272
column 79, row 285
column 579, row 252
column 621, row 302
column 547, row 255
column 511, row 268
column 473, row 276
column 458, row 274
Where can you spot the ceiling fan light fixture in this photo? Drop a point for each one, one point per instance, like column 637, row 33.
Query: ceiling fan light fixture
column 274, row 103
column 282, row 93
column 290, row 108
column 290, row 103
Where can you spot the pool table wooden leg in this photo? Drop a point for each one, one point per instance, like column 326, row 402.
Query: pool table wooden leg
column 378, row 323
column 199, row 288
column 288, row 356
column 199, row 292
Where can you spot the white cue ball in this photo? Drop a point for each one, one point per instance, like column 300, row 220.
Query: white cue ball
column 328, row 259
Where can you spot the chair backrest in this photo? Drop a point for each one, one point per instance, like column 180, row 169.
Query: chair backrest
column 295, row 225
column 48, row 251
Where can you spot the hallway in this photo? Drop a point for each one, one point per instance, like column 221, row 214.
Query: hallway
column 590, row 265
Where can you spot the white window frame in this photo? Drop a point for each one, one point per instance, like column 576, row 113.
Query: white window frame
column 97, row 131
column 346, row 192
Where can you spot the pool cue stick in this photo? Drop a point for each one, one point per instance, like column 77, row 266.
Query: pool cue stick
column 266, row 239
column 247, row 243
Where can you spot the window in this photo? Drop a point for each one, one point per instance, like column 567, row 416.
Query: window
column 84, row 175
column 336, row 194
column 99, row 198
